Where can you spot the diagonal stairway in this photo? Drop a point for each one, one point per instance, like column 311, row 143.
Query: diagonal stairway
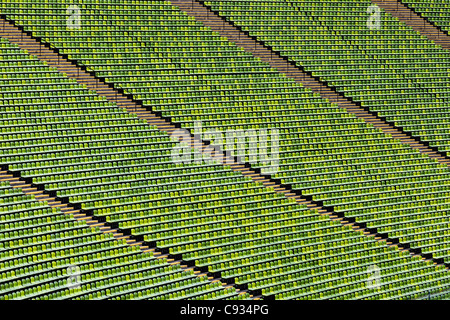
column 415, row 21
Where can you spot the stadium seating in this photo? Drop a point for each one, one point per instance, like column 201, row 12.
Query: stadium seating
column 393, row 71
column 436, row 11
column 325, row 152
column 85, row 149
column 46, row 254
column 69, row 140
